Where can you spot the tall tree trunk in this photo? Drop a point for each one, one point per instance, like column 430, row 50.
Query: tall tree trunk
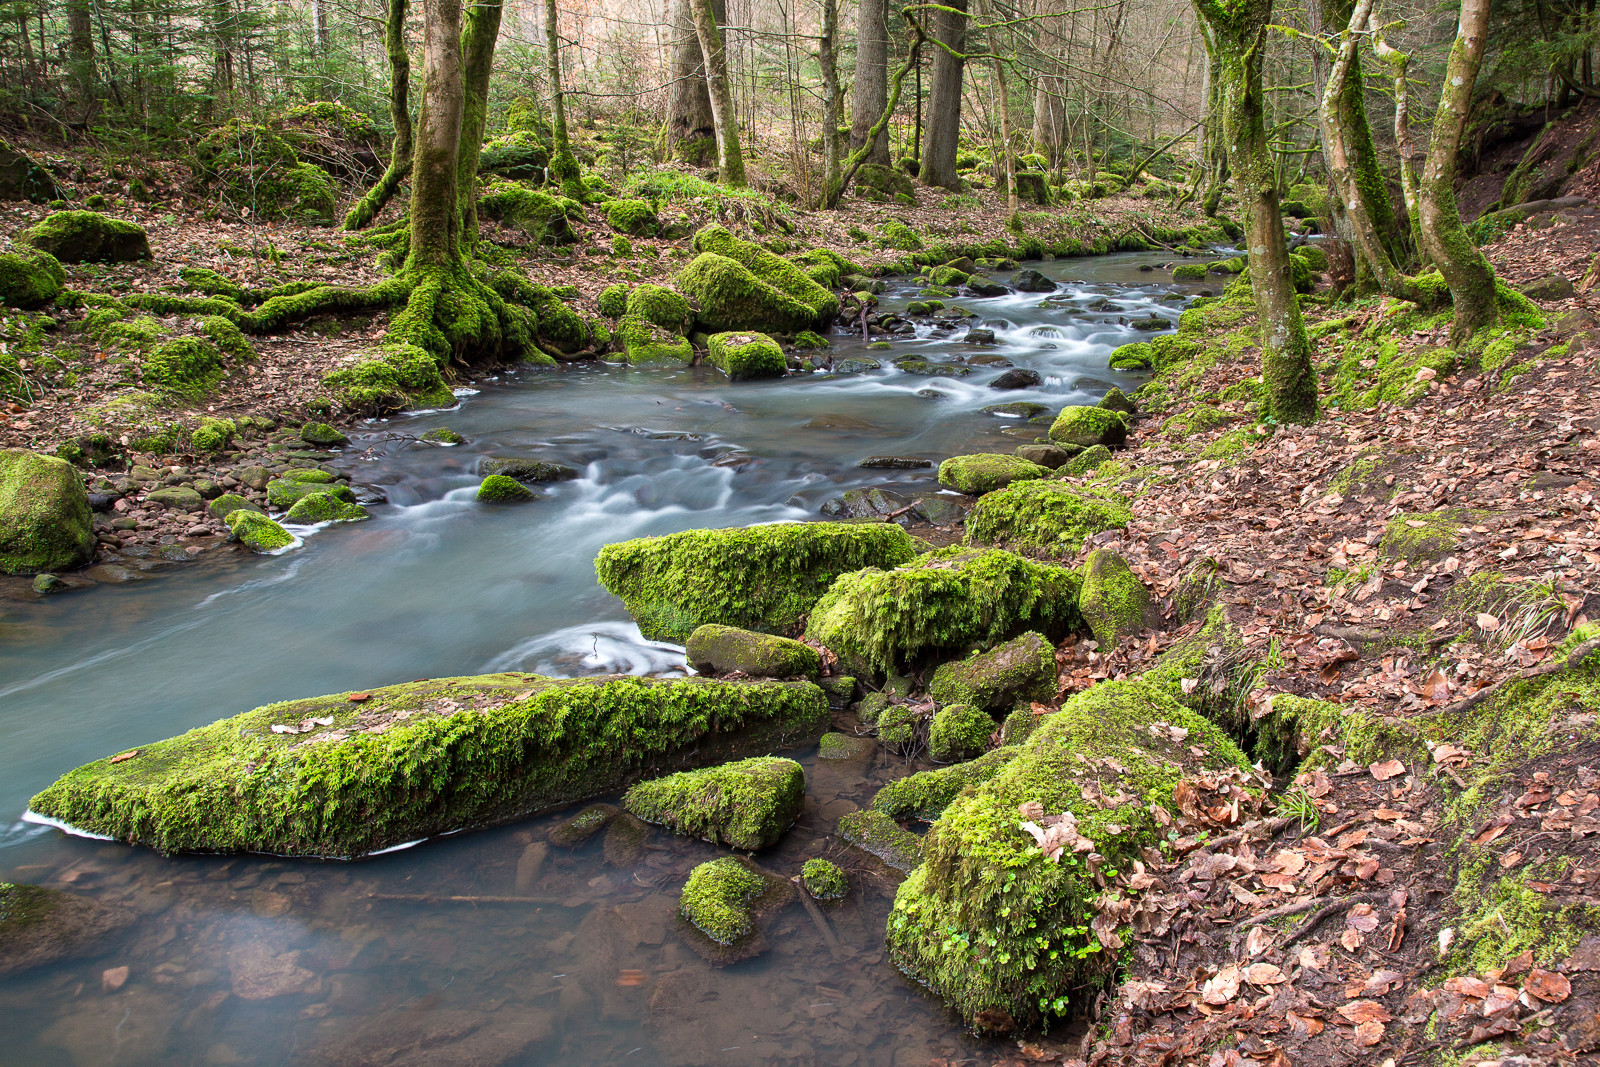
column 563, row 166
column 730, row 160
column 1214, row 142
column 1465, row 270
column 1410, row 160
column 871, row 88
column 80, row 54
column 691, row 131
column 942, row 135
column 1238, row 31
column 827, row 58
column 1008, row 157
column 879, row 131
column 435, row 216
column 1050, row 119
column 394, row 36
column 478, row 40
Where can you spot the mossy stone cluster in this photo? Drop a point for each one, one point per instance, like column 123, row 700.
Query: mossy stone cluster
column 29, row 278
column 716, row 900
column 1113, row 601
column 1046, row 514
column 959, row 732
column 825, row 881
column 987, row 922
column 763, row 578
column 257, row 532
column 943, row 602
column 470, row 752
column 87, row 237
column 984, row 472
column 743, row 355
column 45, row 522
column 745, row 805
column 1023, row 668
column 1088, row 426
column 716, row 649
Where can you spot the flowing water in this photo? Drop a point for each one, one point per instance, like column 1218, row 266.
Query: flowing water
column 265, row 961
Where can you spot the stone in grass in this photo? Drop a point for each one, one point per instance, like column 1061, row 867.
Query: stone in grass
column 876, row 834
column 1087, row 426
column 984, row 472
column 1116, row 400
column 744, row 805
column 322, row 435
column 926, row 794
column 531, row 471
column 444, row 435
column 743, row 355
column 845, row 747
column 228, row 503
column 1023, row 668
column 1052, row 456
column 825, row 881
column 717, row 649
column 45, row 521
column 722, row 906
column 503, row 489
column 959, row 732
column 1113, row 601
column 574, row 831
column 325, row 507
column 40, row 926
column 257, row 532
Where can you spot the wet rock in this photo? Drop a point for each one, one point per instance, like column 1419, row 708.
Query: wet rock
column 899, row 463
column 745, row 805
column 835, row 422
column 438, row 1037
column 840, row 688
column 574, row 831
column 978, row 336
column 1116, row 400
column 1019, row 409
column 39, row 926
column 872, row 503
column 1023, row 668
column 325, row 507
column 878, row 835
column 527, row 470
column 45, row 521
column 101, row 503
column 257, row 532
column 259, row 973
column 624, row 841
column 716, row 649
column 443, row 436
column 1052, row 456
column 915, row 365
column 177, row 498
column 981, row 288
column 1018, row 378
column 1031, row 281
column 1151, row 323
column 855, row 365
column 845, row 747
column 939, row 510
column 988, row 359
column 530, row 864
column 985, row 472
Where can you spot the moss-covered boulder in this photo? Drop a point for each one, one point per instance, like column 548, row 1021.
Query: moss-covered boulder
column 876, row 834
column 504, row 489
column 959, row 732
column 228, row 503
column 1023, row 668
column 325, row 507
column 715, row 649
column 45, row 522
column 321, row 435
column 1189, row 272
column 984, row 472
column 1046, row 514
column 521, row 154
column 745, row 805
column 771, row 269
column 644, row 343
column 874, row 181
column 284, row 491
column 1087, row 462
column 944, row 602
column 926, row 794
column 730, row 297
column 1088, row 426
column 87, row 237
column 257, row 532
column 40, row 926
column 996, row 927
column 1113, row 601
column 763, row 578
column 29, row 278
column 528, row 470
column 536, row 213
column 352, row 773
column 613, row 300
column 186, row 367
column 825, row 881
column 744, row 354
column 724, row 901
column 660, row 305
column 633, row 217
column 1116, row 400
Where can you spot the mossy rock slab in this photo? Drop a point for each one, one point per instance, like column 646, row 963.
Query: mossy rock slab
column 468, row 752
column 943, row 602
column 715, row 649
column 984, row 472
column 45, row 521
column 745, row 805
column 763, row 578
column 723, row 905
column 644, row 343
column 876, row 834
column 528, row 471
column 40, row 926
column 1088, row 426
column 845, row 747
column 87, row 237
column 926, row 794
column 1046, row 514
column 1023, row 668
column 744, row 354
column 576, row 829
column 992, row 925
column 325, row 507
column 1113, row 602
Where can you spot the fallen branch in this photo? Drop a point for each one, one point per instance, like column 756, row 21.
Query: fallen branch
column 1322, row 913
column 819, row 920
column 435, row 898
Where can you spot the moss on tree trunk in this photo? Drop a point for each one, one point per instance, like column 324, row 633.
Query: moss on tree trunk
column 394, row 36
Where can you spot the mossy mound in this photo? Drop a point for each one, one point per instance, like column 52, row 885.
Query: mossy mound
column 469, row 752
column 645, row 343
column 825, row 881
column 874, row 181
column 660, row 305
column 992, row 925
column 404, row 377
column 520, row 154
column 984, row 472
column 959, row 732
column 943, row 602
column 876, row 834
column 45, row 522
column 763, row 578
column 730, row 297
column 633, row 217
column 504, row 489
column 771, row 270
column 536, row 213
column 257, row 532
column 1087, row 426
column 1113, row 601
column 187, row 367
column 1023, row 668
column 745, row 805
column 1087, row 462
column 285, row 491
column 1426, row 537
column 744, row 355
column 1046, row 514
column 613, row 300
column 87, row 237
column 1189, row 272
column 213, row 435
column 926, row 794
column 29, row 277
column 325, row 507
column 724, row 900
column 714, row 649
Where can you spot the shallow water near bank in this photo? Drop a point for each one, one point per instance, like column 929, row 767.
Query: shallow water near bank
column 257, row 960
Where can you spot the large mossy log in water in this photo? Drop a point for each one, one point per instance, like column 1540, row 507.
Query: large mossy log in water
column 993, row 925
column 763, row 578
column 424, row 758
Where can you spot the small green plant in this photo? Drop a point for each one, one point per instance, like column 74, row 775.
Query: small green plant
column 1297, row 804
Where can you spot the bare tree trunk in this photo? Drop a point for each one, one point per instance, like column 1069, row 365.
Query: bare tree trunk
column 1050, row 119
column 563, row 167
column 1465, row 270
column 1007, row 149
column 943, row 131
column 832, row 193
column 691, row 130
column 1214, row 143
column 435, row 216
column 730, row 160
column 80, row 54
column 478, row 41
column 871, row 88
column 1410, row 159
column 827, row 57
column 1238, row 32
column 394, row 36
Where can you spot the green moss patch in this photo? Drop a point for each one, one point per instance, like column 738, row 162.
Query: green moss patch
column 714, row 649
column 926, row 794
column 45, row 522
column 959, row 732
column 1023, row 668
column 1046, row 514
column 87, row 237
column 985, row 472
column 745, row 805
column 825, row 881
column 257, row 532
column 1113, row 600
column 1088, row 426
column 745, row 354
column 325, row 507
column 1425, row 537
column 876, row 834
column 29, row 277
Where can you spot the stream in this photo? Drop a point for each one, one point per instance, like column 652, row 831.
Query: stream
column 256, row 960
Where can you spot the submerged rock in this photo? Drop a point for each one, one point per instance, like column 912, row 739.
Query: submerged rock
column 876, row 834
column 717, row 649
column 1023, row 668
column 872, row 503
column 825, row 881
column 1018, row 409
column 39, row 926
column 834, row 746
column 410, row 761
column 984, row 472
column 763, row 578
column 574, row 831
column 898, row 463
column 1031, row 281
column 1018, row 378
column 45, row 521
column 745, row 805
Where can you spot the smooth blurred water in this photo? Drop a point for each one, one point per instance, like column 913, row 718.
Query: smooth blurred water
column 435, row 585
